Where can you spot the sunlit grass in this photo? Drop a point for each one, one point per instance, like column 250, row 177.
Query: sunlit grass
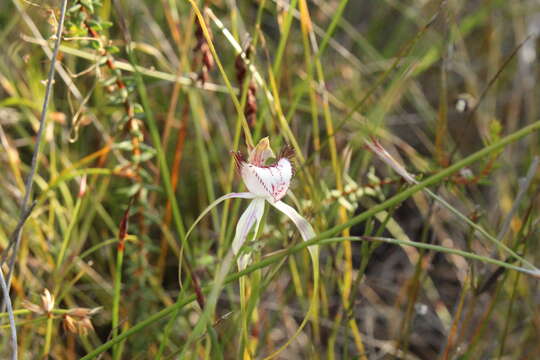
column 137, row 144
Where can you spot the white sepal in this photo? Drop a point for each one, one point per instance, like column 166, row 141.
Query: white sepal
column 243, row 195
column 251, row 216
column 304, row 227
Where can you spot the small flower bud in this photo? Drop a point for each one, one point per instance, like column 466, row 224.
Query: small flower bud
column 82, row 187
column 47, row 301
column 69, row 324
column 32, row 307
column 85, row 326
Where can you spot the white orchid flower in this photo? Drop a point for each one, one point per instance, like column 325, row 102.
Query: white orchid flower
column 265, row 183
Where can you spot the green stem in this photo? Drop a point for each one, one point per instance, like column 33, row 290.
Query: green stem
column 481, row 230
column 67, row 236
column 48, row 337
column 169, row 326
column 284, row 36
column 332, row 27
column 116, row 297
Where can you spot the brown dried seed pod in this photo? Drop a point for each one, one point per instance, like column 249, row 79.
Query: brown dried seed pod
column 70, row 324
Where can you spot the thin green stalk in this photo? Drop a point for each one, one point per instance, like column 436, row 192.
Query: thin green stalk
column 332, row 27
column 48, row 336
column 116, row 297
column 99, row 246
column 169, row 326
column 228, row 187
column 244, row 318
column 283, row 38
column 239, row 121
column 472, row 349
column 207, row 315
column 196, row 108
column 67, row 236
column 480, row 229
column 508, row 316
column 24, row 323
column 527, row 224
column 25, row 312
column 306, row 32
column 432, row 247
column 15, row 313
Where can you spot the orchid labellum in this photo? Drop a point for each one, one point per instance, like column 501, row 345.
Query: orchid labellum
column 265, row 183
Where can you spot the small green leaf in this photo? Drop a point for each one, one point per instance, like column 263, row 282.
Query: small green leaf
column 146, row 156
column 129, row 191
column 111, row 49
column 74, row 8
column 109, row 81
column 88, row 5
column 495, row 130
column 95, row 44
column 124, row 146
column 137, row 108
column 96, row 25
column 106, row 24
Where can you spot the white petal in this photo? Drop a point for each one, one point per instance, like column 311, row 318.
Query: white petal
column 251, row 216
column 305, row 228
column 271, row 182
column 244, row 195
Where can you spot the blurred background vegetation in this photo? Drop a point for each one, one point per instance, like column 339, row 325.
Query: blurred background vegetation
column 435, row 81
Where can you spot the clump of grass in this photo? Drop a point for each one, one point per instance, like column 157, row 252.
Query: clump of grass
column 425, row 237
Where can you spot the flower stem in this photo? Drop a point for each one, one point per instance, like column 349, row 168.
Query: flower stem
column 122, row 234
column 67, row 236
column 48, row 336
column 116, row 296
